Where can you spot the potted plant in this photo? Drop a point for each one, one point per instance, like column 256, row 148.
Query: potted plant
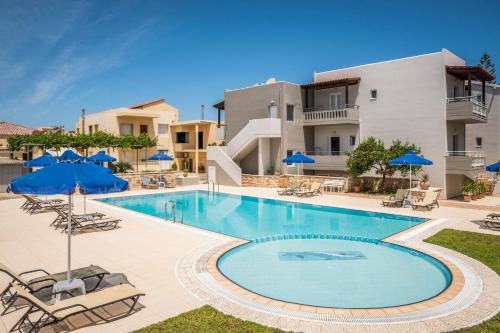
column 481, row 190
column 467, row 190
column 424, row 182
column 474, row 191
column 185, row 172
column 356, row 185
column 201, row 168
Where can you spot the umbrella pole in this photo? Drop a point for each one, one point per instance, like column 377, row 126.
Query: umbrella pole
column 85, row 204
column 410, row 175
column 69, row 238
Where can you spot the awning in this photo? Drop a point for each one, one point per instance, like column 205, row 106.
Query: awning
column 332, row 83
column 219, row 105
column 463, row 72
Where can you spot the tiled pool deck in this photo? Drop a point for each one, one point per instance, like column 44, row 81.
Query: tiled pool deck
column 174, row 266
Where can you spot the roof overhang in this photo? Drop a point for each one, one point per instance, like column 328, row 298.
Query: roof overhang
column 219, row 105
column 332, row 83
column 464, row 72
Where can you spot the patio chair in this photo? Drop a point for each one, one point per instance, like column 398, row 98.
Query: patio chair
column 396, row 199
column 62, row 216
column 429, row 201
column 148, row 183
column 45, row 280
column 50, row 314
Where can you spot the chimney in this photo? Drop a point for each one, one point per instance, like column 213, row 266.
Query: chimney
column 202, row 112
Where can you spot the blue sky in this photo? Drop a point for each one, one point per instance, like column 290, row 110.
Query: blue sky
column 58, row 57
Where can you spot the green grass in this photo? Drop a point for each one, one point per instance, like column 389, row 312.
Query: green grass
column 485, row 248
column 482, row 247
column 207, row 320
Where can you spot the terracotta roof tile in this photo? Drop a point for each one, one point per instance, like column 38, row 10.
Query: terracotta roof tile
column 136, row 106
column 7, row 128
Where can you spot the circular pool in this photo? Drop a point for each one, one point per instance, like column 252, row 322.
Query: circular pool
column 330, row 271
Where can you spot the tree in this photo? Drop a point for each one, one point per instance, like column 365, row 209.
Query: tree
column 371, row 154
column 487, row 64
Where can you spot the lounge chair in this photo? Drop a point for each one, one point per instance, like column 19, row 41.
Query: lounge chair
column 83, row 225
column 428, row 201
column 396, row 199
column 46, row 280
column 148, row 183
column 30, row 201
column 69, row 307
column 286, row 191
column 313, row 190
column 38, row 206
column 494, row 216
column 62, row 216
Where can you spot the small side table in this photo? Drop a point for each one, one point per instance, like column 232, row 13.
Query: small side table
column 67, row 285
column 161, row 184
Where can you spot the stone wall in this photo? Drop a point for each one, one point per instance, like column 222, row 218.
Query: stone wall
column 134, row 178
column 282, row 181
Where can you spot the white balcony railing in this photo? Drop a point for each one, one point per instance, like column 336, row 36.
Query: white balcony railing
column 478, row 159
column 478, row 107
column 326, row 113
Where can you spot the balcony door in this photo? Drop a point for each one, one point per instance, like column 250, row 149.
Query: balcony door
column 336, row 101
column 335, row 145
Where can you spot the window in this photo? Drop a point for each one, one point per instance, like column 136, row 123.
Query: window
column 143, row 129
column 90, row 129
column 352, row 140
column 373, row 94
column 96, row 128
column 126, row 129
column 479, row 142
column 162, row 129
column 182, row 137
column 290, row 112
column 289, row 153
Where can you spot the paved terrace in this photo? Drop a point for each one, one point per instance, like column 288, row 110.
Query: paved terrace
column 158, row 258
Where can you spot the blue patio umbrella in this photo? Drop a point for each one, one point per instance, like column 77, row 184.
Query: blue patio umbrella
column 42, row 161
column 410, row 158
column 299, row 159
column 495, row 167
column 101, row 157
column 161, row 156
column 70, row 156
column 64, row 178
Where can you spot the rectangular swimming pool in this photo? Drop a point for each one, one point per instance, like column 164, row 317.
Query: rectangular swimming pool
column 250, row 218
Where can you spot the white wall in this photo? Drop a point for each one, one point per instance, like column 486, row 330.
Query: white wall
column 411, row 104
column 322, row 136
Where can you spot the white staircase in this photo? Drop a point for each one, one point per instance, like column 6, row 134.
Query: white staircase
column 228, row 172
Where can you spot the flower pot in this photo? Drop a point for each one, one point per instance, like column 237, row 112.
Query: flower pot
column 424, row 185
column 467, row 197
column 357, row 188
column 474, row 197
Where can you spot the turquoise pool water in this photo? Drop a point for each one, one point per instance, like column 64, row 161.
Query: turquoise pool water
column 337, row 273
column 307, row 254
column 250, row 217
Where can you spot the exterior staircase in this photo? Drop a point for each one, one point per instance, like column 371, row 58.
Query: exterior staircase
column 223, row 158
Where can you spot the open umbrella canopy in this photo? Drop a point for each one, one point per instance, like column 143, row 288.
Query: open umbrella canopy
column 101, row 157
column 161, row 156
column 70, row 156
column 63, row 178
column 495, row 167
column 42, row 161
column 410, row 158
column 299, row 158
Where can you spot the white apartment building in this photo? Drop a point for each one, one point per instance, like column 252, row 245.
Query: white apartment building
column 422, row 99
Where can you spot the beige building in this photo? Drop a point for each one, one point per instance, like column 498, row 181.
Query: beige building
column 7, row 130
column 191, row 139
column 153, row 118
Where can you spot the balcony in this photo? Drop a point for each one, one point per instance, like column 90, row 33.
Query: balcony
column 467, row 110
column 467, row 163
column 326, row 160
column 321, row 115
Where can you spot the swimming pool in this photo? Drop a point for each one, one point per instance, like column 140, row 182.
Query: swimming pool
column 249, row 217
column 307, row 254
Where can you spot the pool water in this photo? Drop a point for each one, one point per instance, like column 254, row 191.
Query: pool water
column 249, row 217
column 370, row 275
column 307, row 254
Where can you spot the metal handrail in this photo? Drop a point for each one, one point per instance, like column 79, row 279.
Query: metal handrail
column 213, row 186
column 325, row 153
column 173, row 205
column 465, row 153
